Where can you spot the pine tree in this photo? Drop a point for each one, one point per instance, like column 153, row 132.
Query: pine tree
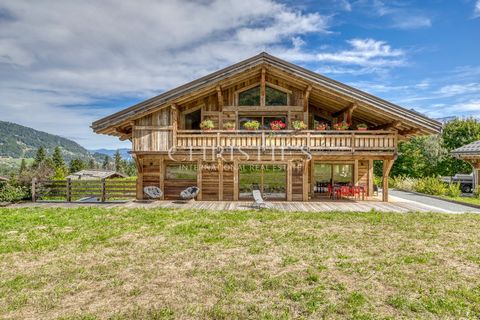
column 40, row 157
column 57, row 158
column 76, row 165
column 92, row 164
column 23, row 166
column 106, row 163
column 118, row 161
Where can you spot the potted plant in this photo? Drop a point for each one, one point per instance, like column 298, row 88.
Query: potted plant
column 341, row 126
column 207, row 125
column 230, row 125
column 299, row 125
column 320, row 126
column 252, row 125
column 362, row 127
column 277, row 125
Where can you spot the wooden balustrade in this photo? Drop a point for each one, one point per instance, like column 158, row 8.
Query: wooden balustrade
column 382, row 141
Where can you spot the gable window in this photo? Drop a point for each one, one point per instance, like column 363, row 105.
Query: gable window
column 250, row 97
column 275, row 97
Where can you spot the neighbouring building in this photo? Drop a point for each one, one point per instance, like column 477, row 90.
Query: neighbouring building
column 470, row 153
column 93, row 174
column 295, row 164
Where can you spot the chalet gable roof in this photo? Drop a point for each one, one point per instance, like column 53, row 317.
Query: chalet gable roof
column 424, row 123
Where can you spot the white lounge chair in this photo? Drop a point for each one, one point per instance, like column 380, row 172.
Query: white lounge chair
column 153, row 192
column 259, row 202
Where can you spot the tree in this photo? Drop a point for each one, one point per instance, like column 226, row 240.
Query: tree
column 92, row 164
column 57, row 158
column 76, row 165
column 106, row 162
column 40, row 157
column 23, row 166
column 457, row 133
column 130, row 168
column 117, row 158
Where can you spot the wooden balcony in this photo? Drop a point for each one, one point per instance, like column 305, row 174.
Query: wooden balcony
column 334, row 141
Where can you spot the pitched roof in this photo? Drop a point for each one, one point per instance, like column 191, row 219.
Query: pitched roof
column 150, row 105
column 471, row 148
column 95, row 174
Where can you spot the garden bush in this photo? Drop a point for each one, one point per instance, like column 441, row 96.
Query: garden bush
column 476, row 193
column 453, row 190
column 403, row 183
column 9, row 193
column 431, row 185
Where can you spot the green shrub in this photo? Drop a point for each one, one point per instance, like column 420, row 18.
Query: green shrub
column 476, row 192
column 431, row 185
column 9, row 193
column 403, row 183
column 453, row 190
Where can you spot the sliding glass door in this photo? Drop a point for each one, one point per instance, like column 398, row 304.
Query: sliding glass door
column 331, row 174
column 270, row 179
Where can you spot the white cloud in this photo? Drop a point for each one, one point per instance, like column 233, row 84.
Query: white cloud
column 411, row 22
column 459, row 89
column 369, row 54
column 397, row 14
column 476, row 10
column 57, row 57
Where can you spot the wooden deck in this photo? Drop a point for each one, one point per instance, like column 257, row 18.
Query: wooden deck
column 396, row 205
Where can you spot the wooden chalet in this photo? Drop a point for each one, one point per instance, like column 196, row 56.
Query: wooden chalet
column 172, row 152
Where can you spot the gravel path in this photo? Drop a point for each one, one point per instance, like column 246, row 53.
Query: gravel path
column 440, row 204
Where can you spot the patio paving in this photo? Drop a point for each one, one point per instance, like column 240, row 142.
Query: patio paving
column 396, row 204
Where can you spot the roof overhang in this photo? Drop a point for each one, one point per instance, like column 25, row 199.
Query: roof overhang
column 108, row 124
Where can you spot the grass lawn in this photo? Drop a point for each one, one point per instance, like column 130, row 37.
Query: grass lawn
column 470, row 200
column 90, row 263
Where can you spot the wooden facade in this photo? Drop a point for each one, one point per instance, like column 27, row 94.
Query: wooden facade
column 289, row 163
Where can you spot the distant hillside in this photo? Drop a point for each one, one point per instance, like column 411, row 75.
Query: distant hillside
column 110, row 152
column 17, row 141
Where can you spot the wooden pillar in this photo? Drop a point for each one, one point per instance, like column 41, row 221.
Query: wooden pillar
column 34, row 187
column 199, row 178
column 139, row 162
column 262, row 88
column 305, row 180
column 161, row 177
column 69, row 190
column 235, row 180
column 387, row 166
column 370, row 178
column 220, row 180
column 104, row 190
column 289, row 180
column 174, row 120
column 355, row 172
column 306, row 97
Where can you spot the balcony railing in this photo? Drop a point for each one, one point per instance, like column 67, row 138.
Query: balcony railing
column 346, row 141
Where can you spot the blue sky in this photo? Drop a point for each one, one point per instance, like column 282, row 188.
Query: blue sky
column 64, row 64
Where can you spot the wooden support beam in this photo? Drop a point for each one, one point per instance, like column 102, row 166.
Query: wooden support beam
column 355, row 172
column 263, row 88
column 139, row 162
column 220, row 98
column 161, row 177
column 387, row 126
column 346, row 110
column 306, row 97
column 289, row 180
column 199, row 178
column 408, row 132
column 370, row 177
column 235, row 179
column 220, row 179
column 174, row 120
column 305, row 180
column 387, row 166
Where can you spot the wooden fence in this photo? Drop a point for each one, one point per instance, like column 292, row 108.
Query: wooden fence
column 99, row 190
